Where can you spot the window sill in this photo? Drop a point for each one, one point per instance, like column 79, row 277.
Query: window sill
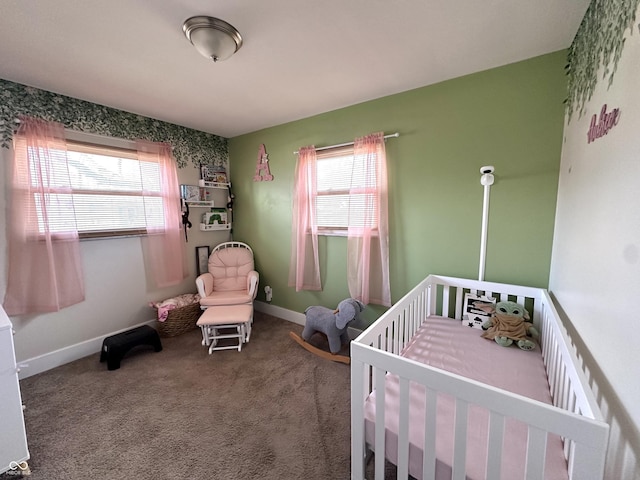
column 110, row 235
column 332, row 233
column 338, row 233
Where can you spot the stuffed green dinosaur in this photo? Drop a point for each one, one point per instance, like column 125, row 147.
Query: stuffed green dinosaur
column 509, row 322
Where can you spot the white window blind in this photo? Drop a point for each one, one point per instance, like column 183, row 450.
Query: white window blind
column 112, row 192
column 345, row 191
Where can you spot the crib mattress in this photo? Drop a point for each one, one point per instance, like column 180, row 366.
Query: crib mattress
column 447, row 344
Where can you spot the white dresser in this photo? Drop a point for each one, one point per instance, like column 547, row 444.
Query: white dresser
column 13, row 438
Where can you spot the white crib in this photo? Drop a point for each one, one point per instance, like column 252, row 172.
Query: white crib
column 375, row 354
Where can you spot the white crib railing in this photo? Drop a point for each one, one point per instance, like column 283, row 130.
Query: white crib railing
column 574, row 415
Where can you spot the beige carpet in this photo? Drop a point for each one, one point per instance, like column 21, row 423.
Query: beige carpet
column 272, row 411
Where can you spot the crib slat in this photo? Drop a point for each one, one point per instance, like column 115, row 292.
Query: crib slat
column 544, row 338
column 407, row 324
column 460, row 441
column 412, row 322
column 558, row 379
column 414, row 311
column 572, row 407
column 563, row 388
column 445, row 301
column 396, row 336
column 380, row 423
column 494, row 445
column 402, row 340
column 403, row 430
column 566, row 390
column 459, row 296
column 423, row 304
column 536, row 453
column 538, row 313
column 393, row 335
column 398, row 339
column 429, row 453
column 559, row 393
column 553, row 364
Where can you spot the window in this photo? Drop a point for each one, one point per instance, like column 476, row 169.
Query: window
column 112, row 192
column 345, row 193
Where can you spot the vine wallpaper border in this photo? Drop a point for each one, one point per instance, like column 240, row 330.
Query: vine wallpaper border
column 599, row 42
column 189, row 145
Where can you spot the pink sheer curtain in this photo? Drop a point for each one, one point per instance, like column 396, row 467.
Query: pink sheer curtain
column 304, row 267
column 45, row 268
column 163, row 248
column 368, row 241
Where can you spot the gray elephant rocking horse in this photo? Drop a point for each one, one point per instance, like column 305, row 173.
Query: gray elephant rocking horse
column 333, row 324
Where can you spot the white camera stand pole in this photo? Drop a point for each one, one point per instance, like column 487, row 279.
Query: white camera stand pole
column 486, row 180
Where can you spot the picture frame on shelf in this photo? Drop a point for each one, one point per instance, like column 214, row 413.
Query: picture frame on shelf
column 220, row 177
column 202, row 259
column 207, row 173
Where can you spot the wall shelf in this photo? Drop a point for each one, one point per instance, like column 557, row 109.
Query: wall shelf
column 202, row 183
column 208, row 228
column 202, row 196
column 200, row 203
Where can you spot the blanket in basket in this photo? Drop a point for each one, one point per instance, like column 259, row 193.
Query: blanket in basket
column 176, row 302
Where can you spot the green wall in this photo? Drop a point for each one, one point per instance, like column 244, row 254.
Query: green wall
column 510, row 117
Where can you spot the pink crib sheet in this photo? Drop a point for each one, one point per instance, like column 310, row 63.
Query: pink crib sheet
column 447, row 344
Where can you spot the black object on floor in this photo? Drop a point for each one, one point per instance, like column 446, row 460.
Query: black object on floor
column 116, row 346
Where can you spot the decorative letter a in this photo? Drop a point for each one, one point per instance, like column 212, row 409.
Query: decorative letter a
column 262, row 167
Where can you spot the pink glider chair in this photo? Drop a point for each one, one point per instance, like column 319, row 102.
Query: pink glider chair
column 231, row 279
column 227, row 292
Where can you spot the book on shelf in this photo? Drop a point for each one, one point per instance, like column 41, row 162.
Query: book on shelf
column 220, row 177
column 217, row 216
column 190, row 193
column 212, row 174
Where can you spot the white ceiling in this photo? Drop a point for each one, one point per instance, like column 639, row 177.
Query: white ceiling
column 299, row 58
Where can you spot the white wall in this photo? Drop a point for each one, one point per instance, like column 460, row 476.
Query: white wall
column 595, row 267
column 116, row 288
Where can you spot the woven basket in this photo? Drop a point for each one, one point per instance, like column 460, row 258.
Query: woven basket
column 180, row 320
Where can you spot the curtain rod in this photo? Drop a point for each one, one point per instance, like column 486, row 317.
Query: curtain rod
column 391, row 135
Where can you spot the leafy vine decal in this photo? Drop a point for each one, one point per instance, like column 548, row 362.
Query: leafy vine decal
column 194, row 146
column 597, row 44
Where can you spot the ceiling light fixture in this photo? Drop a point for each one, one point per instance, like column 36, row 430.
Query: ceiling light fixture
column 212, row 37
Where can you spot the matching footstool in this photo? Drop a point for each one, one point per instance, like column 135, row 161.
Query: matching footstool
column 116, row 346
column 228, row 321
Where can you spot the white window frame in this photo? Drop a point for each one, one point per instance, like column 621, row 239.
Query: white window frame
column 332, row 181
column 88, row 144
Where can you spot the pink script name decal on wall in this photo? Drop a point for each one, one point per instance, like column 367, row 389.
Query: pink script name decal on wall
column 599, row 128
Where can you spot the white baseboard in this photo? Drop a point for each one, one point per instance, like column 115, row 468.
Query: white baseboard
column 47, row 361
column 285, row 314
column 290, row 315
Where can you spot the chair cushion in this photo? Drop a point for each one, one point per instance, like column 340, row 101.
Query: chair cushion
column 226, row 315
column 227, row 297
column 229, row 268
